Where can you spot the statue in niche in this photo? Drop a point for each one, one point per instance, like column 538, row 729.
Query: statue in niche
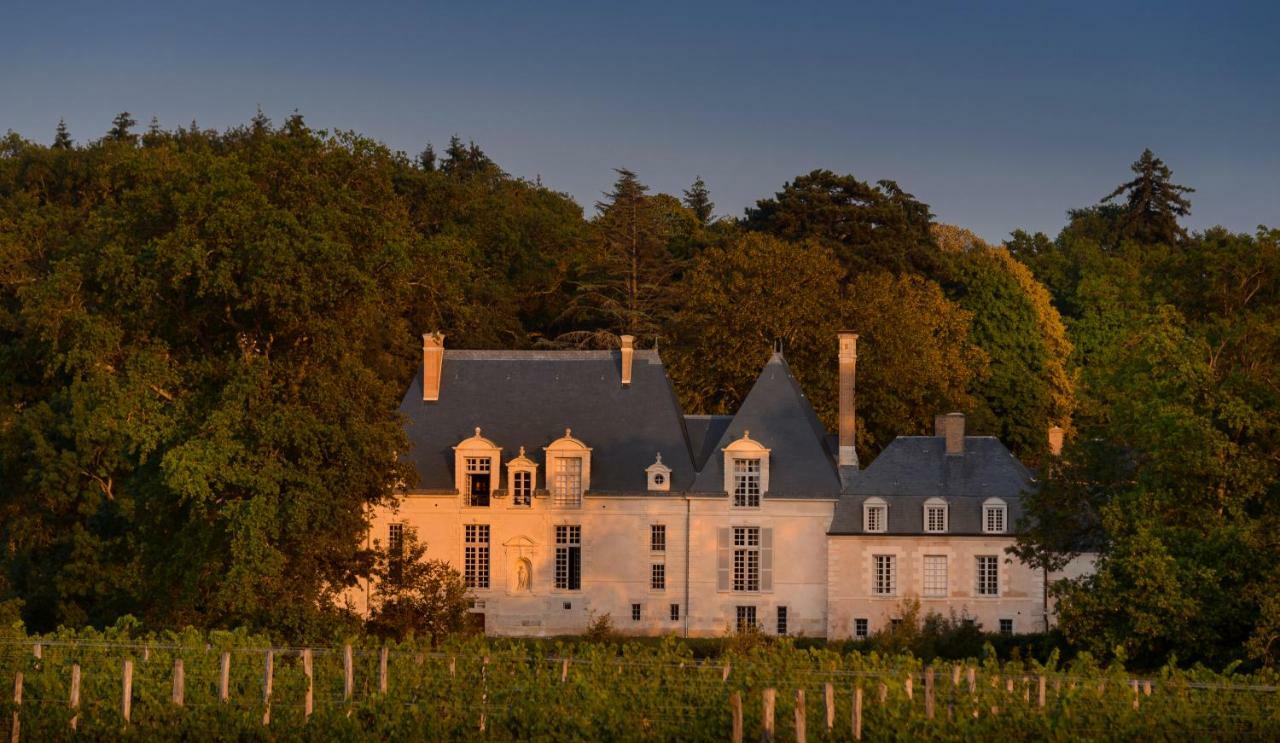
column 522, row 575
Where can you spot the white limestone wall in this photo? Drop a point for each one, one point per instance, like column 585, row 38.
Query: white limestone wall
column 850, row 596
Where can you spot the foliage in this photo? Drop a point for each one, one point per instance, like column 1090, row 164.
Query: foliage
column 1152, row 203
column 697, row 199
column 601, row 629
column 414, row 596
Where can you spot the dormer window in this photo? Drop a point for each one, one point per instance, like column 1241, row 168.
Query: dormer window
column 569, row 470
column 935, row 516
column 522, row 473
column 659, row 475
column 746, row 471
column 476, row 467
column 994, row 516
column 875, row 516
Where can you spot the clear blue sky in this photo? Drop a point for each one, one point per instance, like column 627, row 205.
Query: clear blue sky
column 999, row 117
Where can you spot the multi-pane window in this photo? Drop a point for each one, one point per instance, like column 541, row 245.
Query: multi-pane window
column 875, row 516
column 861, row 628
column 993, row 518
column 1006, row 626
column 567, row 481
column 395, row 539
column 782, row 620
column 935, row 518
column 935, row 576
column 635, row 612
column 988, row 575
column 478, row 474
column 569, row 558
column 746, row 558
column 746, row 617
column 675, row 612
column 475, row 559
column 658, row 577
column 521, row 488
column 658, row 538
column 884, row 575
column 746, row 483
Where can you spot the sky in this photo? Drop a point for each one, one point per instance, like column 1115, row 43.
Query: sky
column 999, row 115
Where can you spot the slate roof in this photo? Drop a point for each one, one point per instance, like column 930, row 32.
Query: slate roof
column 704, row 433
column 528, row 398
column 913, row 469
column 779, row 416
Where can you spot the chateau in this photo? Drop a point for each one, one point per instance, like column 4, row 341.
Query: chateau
column 566, row 485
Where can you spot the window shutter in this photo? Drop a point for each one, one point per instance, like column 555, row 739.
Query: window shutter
column 724, row 558
column 766, row 559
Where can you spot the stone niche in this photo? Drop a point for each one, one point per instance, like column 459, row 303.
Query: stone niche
column 518, row 559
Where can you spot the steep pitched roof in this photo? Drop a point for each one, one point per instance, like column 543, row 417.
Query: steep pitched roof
column 913, row 469
column 528, row 398
column 779, row 416
column 704, row 433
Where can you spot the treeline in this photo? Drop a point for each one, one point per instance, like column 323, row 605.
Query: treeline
column 205, row 336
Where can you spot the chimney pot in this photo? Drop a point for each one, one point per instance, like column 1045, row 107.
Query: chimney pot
column 432, row 365
column 1055, row 440
column 954, row 424
column 848, row 357
column 628, row 354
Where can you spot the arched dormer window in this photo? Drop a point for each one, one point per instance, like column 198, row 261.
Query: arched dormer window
column 659, row 475
column 995, row 516
column 936, row 516
column 875, row 516
column 568, row 470
column 475, row 469
column 522, row 478
column 746, row 471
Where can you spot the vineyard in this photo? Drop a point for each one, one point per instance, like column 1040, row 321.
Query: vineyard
column 221, row 686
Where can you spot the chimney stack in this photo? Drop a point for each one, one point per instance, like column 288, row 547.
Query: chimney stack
column 1055, row 440
column 848, row 379
column 432, row 365
column 628, row 353
column 953, row 425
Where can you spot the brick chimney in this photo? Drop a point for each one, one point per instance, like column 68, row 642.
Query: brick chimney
column 848, row 379
column 1055, row 440
column 432, row 365
column 628, row 354
column 953, row 430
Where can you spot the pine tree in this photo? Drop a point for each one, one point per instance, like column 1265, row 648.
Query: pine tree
column 1153, row 203
column 427, row 160
column 62, row 139
column 121, row 127
column 698, row 199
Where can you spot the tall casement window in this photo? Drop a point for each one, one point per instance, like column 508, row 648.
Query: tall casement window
column 476, row 465
column 675, row 612
column 746, row 617
column 475, row 558
column 658, row 577
column 569, row 468
column 994, row 516
column 569, row 558
column 988, row 575
column 746, row 471
column 935, row 516
column 782, row 620
column 658, row 538
column 521, row 474
column 935, row 576
column 478, row 479
column 745, row 559
column 875, row 516
column 746, row 483
column 395, row 539
column 884, row 575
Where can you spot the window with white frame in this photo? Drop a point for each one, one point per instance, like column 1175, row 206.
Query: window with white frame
column 569, row 558
column 746, row 483
column 1006, row 626
column 475, row 562
column 935, row 516
column 657, row 538
column 658, row 577
column 521, row 488
column 568, row 470
column 478, row 480
column 782, row 620
column 875, row 516
column 884, row 575
column 746, row 617
column 988, row 570
column 635, row 612
column 567, row 490
column 861, row 628
column 675, row 612
column 994, row 516
column 935, row 576
column 746, row 558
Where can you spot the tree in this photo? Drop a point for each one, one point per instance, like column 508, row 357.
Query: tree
column 697, row 199
column 62, row 139
column 1152, row 203
column 121, row 128
column 414, row 596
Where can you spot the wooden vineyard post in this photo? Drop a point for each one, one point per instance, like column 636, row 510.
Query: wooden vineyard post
column 829, row 696
column 308, row 700
column 484, row 690
column 224, row 676
column 382, row 670
column 973, row 680
column 800, row 711
column 883, row 693
column 928, row 693
column 126, row 690
column 768, row 697
column 955, row 676
column 1040, row 693
column 735, row 705
column 1134, row 684
column 74, row 701
column 179, row 693
column 564, row 670
column 453, row 666
column 268, row 681
column 907, row 685
column 348, row 674
column 17, row 705
column 1146, row 688
column 724, row 675
column 857, row 713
